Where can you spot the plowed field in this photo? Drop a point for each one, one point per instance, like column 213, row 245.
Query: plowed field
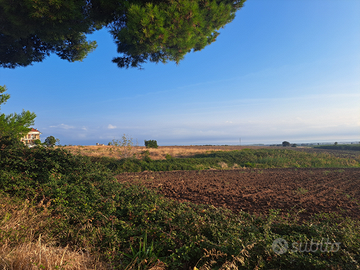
column 258, row 190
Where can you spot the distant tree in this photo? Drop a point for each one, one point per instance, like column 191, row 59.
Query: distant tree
column 294, row 145
column 151, row 144
column 15, row 125
column 285, row 143
column 151, row 30
column 336, row 143
column 50, row 141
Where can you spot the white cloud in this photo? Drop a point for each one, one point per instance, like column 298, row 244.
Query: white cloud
column 63, row 126
column 111, row 126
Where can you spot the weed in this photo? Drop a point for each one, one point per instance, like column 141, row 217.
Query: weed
column 126, row 146
column 145, row 153
column 223, row 165
column 144, row 257
column 301, row 191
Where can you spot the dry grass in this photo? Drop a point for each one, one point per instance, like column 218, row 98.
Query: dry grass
column 25, row 242
column 156, row 154
column 211, row 257
column 223, row 165
column 35, row 255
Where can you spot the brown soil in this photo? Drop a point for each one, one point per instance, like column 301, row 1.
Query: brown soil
column 257, row 191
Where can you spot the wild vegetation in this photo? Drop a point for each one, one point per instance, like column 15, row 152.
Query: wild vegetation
column 77, row 207
column 154, row 153
column 251, row 158
column 162, row 152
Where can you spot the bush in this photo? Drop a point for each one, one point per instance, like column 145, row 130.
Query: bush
column 285, row 143
column 151, row 144
column 126, row 146
column 37, row 142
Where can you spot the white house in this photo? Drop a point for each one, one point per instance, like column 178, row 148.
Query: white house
column 33, row 135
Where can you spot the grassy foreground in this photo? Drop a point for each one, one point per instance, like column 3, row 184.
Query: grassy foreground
column 69, row 208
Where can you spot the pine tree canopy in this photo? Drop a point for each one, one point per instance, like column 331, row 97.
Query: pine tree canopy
column 14, row 124
column 154, row 30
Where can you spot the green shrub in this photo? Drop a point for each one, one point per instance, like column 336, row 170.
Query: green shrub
column 37, row 142
column 285, row 143
column 145, row 154
column 151, row 144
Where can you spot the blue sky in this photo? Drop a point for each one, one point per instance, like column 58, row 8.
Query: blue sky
column 282, row 70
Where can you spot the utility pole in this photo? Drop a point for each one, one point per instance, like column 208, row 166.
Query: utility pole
column 240, row 141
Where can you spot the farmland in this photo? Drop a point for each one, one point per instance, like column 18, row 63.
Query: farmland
column 177, row 208
column 301, row 191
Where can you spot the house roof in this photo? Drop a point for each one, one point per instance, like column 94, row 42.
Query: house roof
column 33, row 130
